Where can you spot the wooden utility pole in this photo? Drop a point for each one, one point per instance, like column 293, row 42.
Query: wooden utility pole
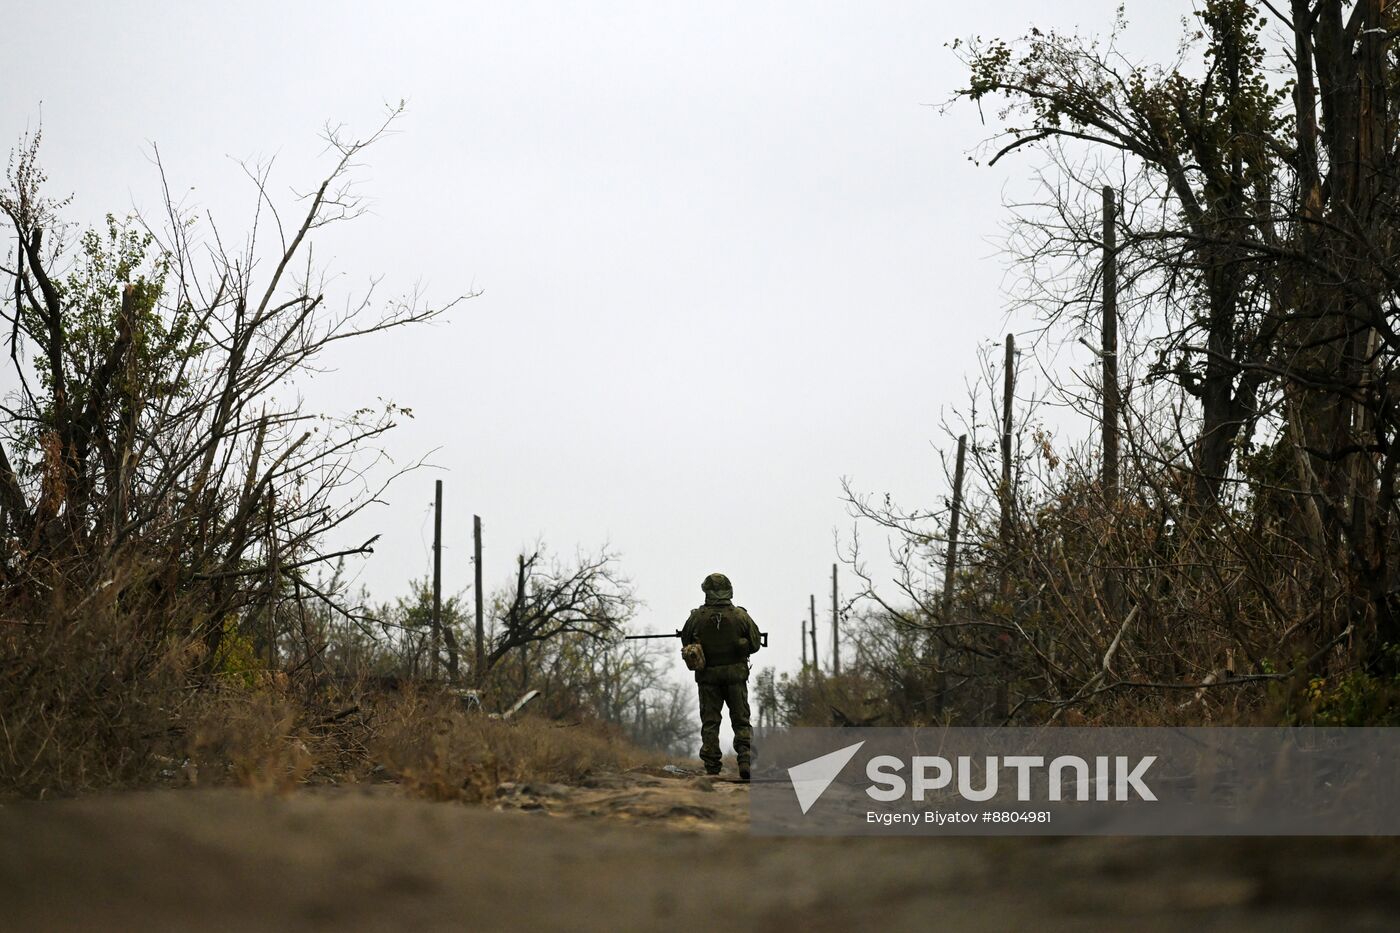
column 802, row 637
column 950, row 566
column 816, row 661
column 274, row 583
column 1002, row 695
column 515, row 620
column 1112, row 584
column 1008, row 394
column 437, row 577
column 835, row 628
column 480, row 622
column 1110, row 347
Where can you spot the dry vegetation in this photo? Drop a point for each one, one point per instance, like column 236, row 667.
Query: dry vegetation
column 442, row 752
column 170, row 609
column 91, row 712
column 1227, row 548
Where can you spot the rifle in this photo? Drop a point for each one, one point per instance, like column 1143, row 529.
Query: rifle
column 763, row 637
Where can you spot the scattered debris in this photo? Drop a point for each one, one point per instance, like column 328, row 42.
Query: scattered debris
column 470, row 699
column 520, row 704
column 471, row 702
column 680, row 772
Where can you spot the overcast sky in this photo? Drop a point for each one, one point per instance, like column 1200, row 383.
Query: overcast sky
column 728, row 253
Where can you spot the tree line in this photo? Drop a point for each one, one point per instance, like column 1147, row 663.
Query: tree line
column 1240, row 560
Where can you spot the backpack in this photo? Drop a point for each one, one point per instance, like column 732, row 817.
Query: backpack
column 722, row 635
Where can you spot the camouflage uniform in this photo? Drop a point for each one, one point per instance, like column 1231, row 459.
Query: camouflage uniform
column 729, row 636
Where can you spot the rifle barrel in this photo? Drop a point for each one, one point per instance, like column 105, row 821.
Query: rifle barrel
column 764, row 635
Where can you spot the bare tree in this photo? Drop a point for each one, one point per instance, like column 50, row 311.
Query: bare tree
column 550, row 599
column 158, row 470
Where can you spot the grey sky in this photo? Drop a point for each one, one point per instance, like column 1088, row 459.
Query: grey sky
column 727, row 255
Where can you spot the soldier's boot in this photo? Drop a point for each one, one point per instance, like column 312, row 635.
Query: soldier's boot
column 744, row 772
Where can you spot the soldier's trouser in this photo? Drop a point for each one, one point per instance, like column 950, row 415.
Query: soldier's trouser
column 734, row 693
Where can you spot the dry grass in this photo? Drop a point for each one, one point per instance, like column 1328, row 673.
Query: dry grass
column 91, row 708
column 256, row 738
column 84, row 705
column 442, row 752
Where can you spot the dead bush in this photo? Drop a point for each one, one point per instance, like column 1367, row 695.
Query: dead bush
column 255, row 738
column 83, row 704
column 443, row 752
column 164, row 502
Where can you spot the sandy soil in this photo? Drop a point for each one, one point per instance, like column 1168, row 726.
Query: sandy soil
column 632, row 852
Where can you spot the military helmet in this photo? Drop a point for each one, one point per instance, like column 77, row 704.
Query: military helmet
column 717, row 585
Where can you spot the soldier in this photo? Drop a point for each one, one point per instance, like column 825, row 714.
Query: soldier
column 728, row 636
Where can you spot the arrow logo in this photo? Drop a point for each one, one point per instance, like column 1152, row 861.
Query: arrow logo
column 811, row 778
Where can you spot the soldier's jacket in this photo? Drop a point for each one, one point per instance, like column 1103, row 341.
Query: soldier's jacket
column 728, row 635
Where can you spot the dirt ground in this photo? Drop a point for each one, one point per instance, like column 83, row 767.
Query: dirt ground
column 641, row 851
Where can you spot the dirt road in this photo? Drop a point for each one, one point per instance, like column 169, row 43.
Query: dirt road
column 633, row 852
